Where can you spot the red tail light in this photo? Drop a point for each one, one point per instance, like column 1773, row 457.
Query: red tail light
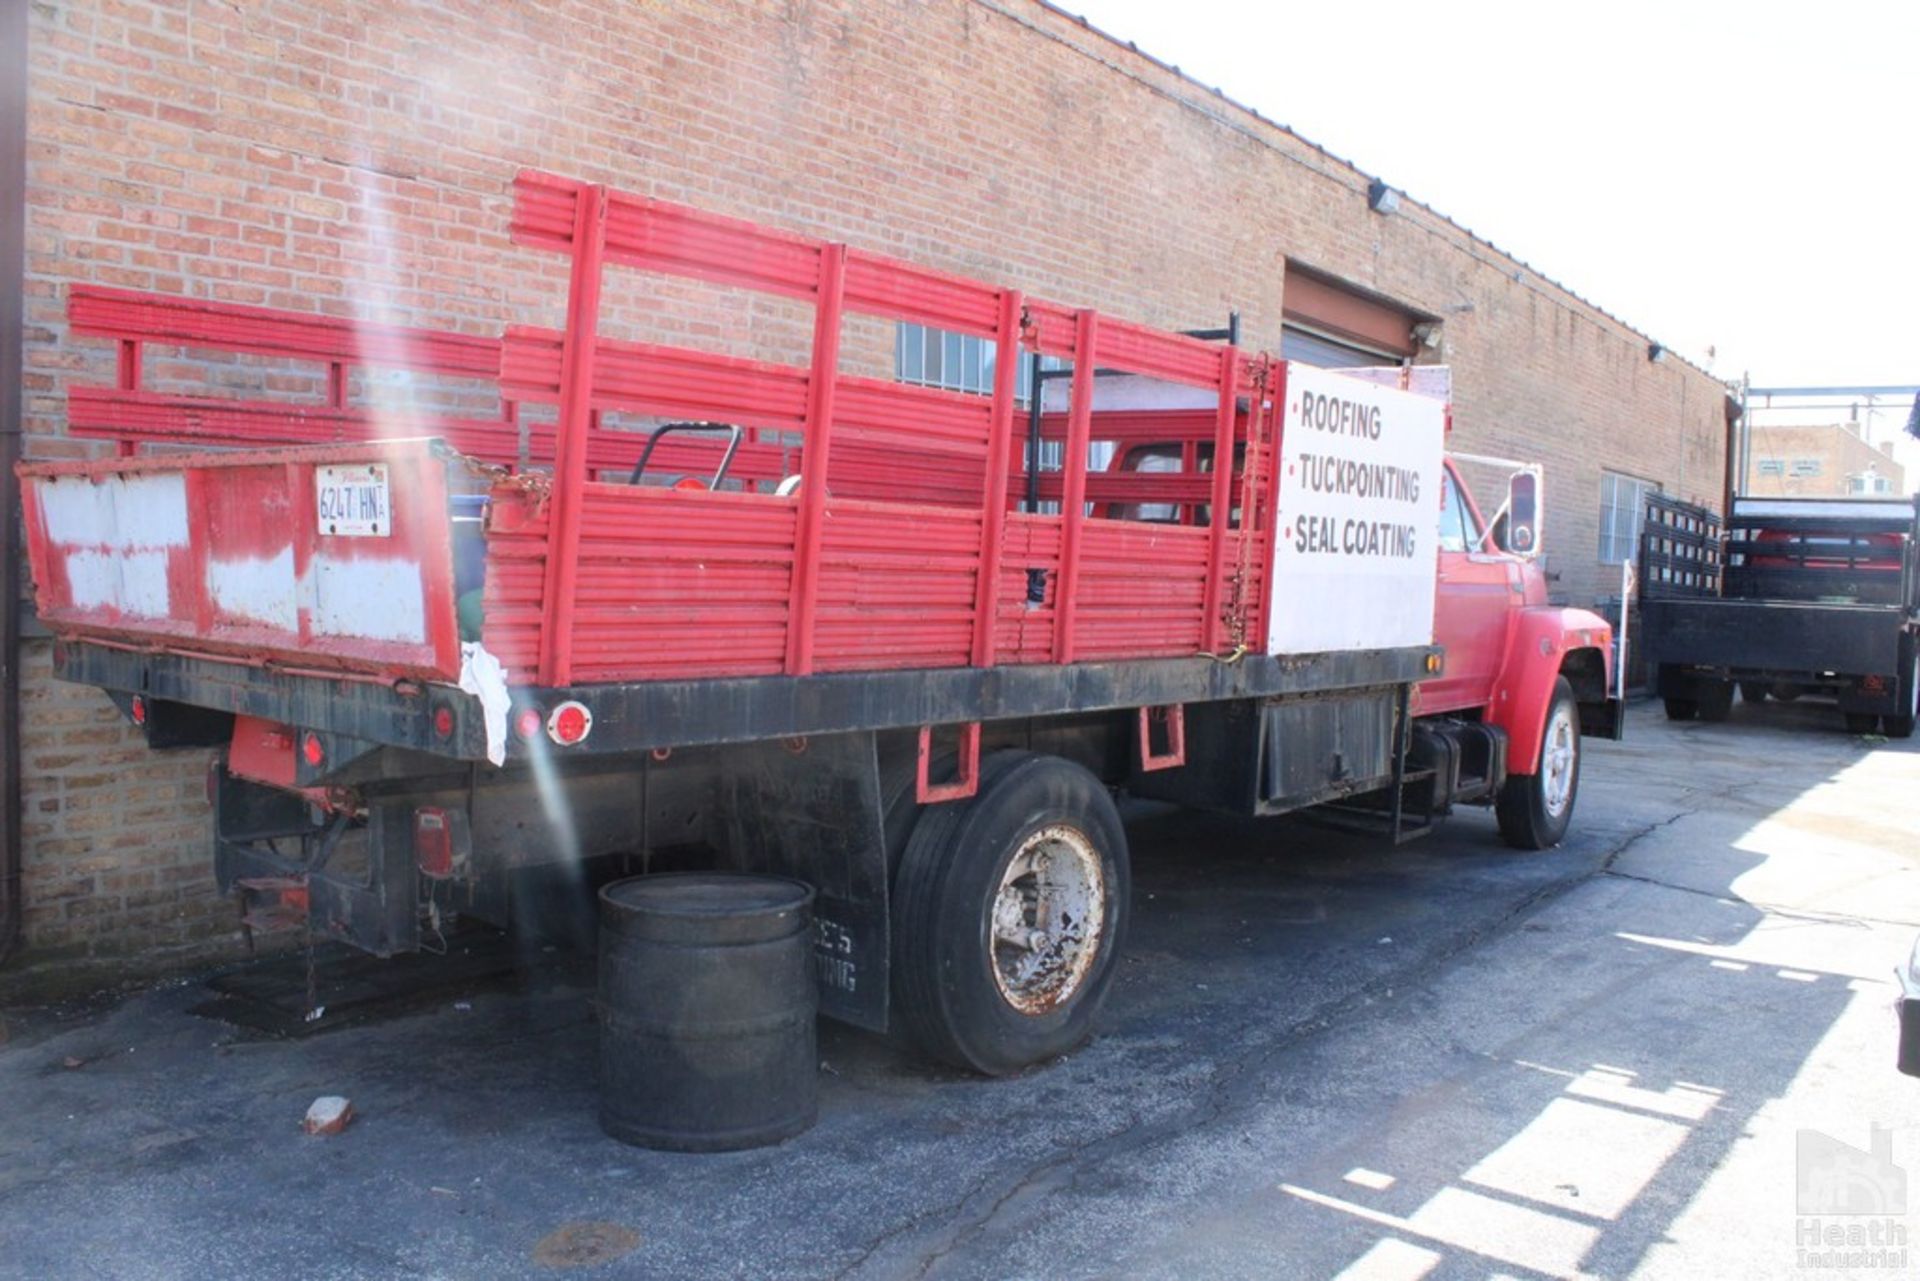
column 138, row 709
column 313, row 750
column 527, row 723
column 570, row 723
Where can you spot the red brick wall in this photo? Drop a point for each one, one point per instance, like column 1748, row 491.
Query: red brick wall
column 354, row 158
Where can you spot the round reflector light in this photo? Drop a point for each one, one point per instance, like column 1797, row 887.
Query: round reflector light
column 443, row 722
column 570, row 723
column 527, row 723
column 312, row 748
column 139, row 709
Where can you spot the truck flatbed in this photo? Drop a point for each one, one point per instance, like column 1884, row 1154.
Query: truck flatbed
column 1799, row 595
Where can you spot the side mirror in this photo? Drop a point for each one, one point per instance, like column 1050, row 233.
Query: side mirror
column 1523, row 513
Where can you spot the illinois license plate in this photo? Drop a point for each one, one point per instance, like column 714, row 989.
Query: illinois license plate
column 354, row 501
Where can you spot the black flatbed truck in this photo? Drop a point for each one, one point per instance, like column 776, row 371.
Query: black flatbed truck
column 1798, row 596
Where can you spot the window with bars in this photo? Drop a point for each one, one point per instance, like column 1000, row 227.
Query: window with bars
column 1623, row 505
column 933, row 357
column 958, row 362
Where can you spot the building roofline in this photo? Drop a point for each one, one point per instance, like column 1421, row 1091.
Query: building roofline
column 1243, row 108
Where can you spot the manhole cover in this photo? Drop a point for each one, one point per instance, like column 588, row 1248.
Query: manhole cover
column 581, row 1245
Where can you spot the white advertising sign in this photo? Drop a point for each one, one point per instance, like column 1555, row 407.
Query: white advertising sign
column 1359, row 515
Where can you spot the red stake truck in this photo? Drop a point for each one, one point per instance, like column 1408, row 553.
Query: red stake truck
column 869, row 634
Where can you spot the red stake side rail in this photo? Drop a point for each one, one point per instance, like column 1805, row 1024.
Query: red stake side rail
column 641, row 582
column 896, row 542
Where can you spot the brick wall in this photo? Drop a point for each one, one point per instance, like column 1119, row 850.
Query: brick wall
column 353, row 158
column 1818, row 462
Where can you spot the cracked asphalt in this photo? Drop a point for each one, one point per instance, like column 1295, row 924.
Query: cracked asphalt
column 1323, row 1057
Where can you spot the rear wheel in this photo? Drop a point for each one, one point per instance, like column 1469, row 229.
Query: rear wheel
column 1716, row 700
column 1862, row 722
column 1009, row 910
column 1535, row 809
column 1752, row 692
column 1783, row 691
column 1682, row 709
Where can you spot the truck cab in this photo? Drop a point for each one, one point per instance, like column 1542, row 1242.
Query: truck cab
column 1494, row 725
column 1539, row 673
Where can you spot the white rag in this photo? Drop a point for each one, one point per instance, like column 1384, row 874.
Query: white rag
column 481, row 674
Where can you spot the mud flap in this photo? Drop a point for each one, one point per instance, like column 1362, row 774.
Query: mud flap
column 1606, row 720
column 811, row 809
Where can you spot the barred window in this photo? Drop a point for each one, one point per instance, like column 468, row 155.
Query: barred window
column 1623, row 505
column 958, row 362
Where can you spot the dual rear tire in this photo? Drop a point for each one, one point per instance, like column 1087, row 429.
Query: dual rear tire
column 1009, row 912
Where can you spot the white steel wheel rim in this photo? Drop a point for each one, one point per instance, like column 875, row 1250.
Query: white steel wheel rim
column 1048, row 920
column 1557, row 756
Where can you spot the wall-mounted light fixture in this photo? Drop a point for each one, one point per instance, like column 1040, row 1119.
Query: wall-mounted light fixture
column 1427, row 334
column 1381, row 198
column 1656, row 353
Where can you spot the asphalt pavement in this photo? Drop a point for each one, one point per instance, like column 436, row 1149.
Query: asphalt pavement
column 1662, row 1049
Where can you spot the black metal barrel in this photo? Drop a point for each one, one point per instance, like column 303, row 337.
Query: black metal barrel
column 707, row 1005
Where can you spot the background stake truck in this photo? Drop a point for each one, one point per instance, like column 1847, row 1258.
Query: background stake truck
column 832, row 626
column 1801, row 595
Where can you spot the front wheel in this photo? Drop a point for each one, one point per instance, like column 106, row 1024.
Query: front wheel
column 1009, row 910
column 1535, row 809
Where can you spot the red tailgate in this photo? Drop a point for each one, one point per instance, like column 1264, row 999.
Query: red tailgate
column 334, row 557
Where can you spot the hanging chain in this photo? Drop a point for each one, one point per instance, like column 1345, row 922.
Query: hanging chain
column 1252, row 486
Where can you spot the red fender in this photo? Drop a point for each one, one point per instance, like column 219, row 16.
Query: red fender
column 1541, row 639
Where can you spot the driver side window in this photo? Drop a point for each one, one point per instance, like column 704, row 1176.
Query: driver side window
column 1453, row 515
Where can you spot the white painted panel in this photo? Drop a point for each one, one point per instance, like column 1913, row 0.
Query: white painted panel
column 120, row 512
column 76, row 511
column 93, row 579
column 150, row 510
column 375, row 599
column 257, row 588
column 143, row 584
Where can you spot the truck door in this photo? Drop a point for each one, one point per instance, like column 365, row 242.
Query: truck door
column 1476, row 596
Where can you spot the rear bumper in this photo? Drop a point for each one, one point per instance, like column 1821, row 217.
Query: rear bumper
column 392, row 715
column 1772, row 638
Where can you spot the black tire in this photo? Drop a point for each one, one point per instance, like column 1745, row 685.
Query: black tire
column 1528, row 818
column 1682, row 709
column 1900, row 724
column 1752, row 692
column 950, row 989
column 1716, row 700
column 1783, row 692
column 1862, row 722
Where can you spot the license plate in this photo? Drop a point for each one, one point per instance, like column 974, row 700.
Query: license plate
column 354, row 501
